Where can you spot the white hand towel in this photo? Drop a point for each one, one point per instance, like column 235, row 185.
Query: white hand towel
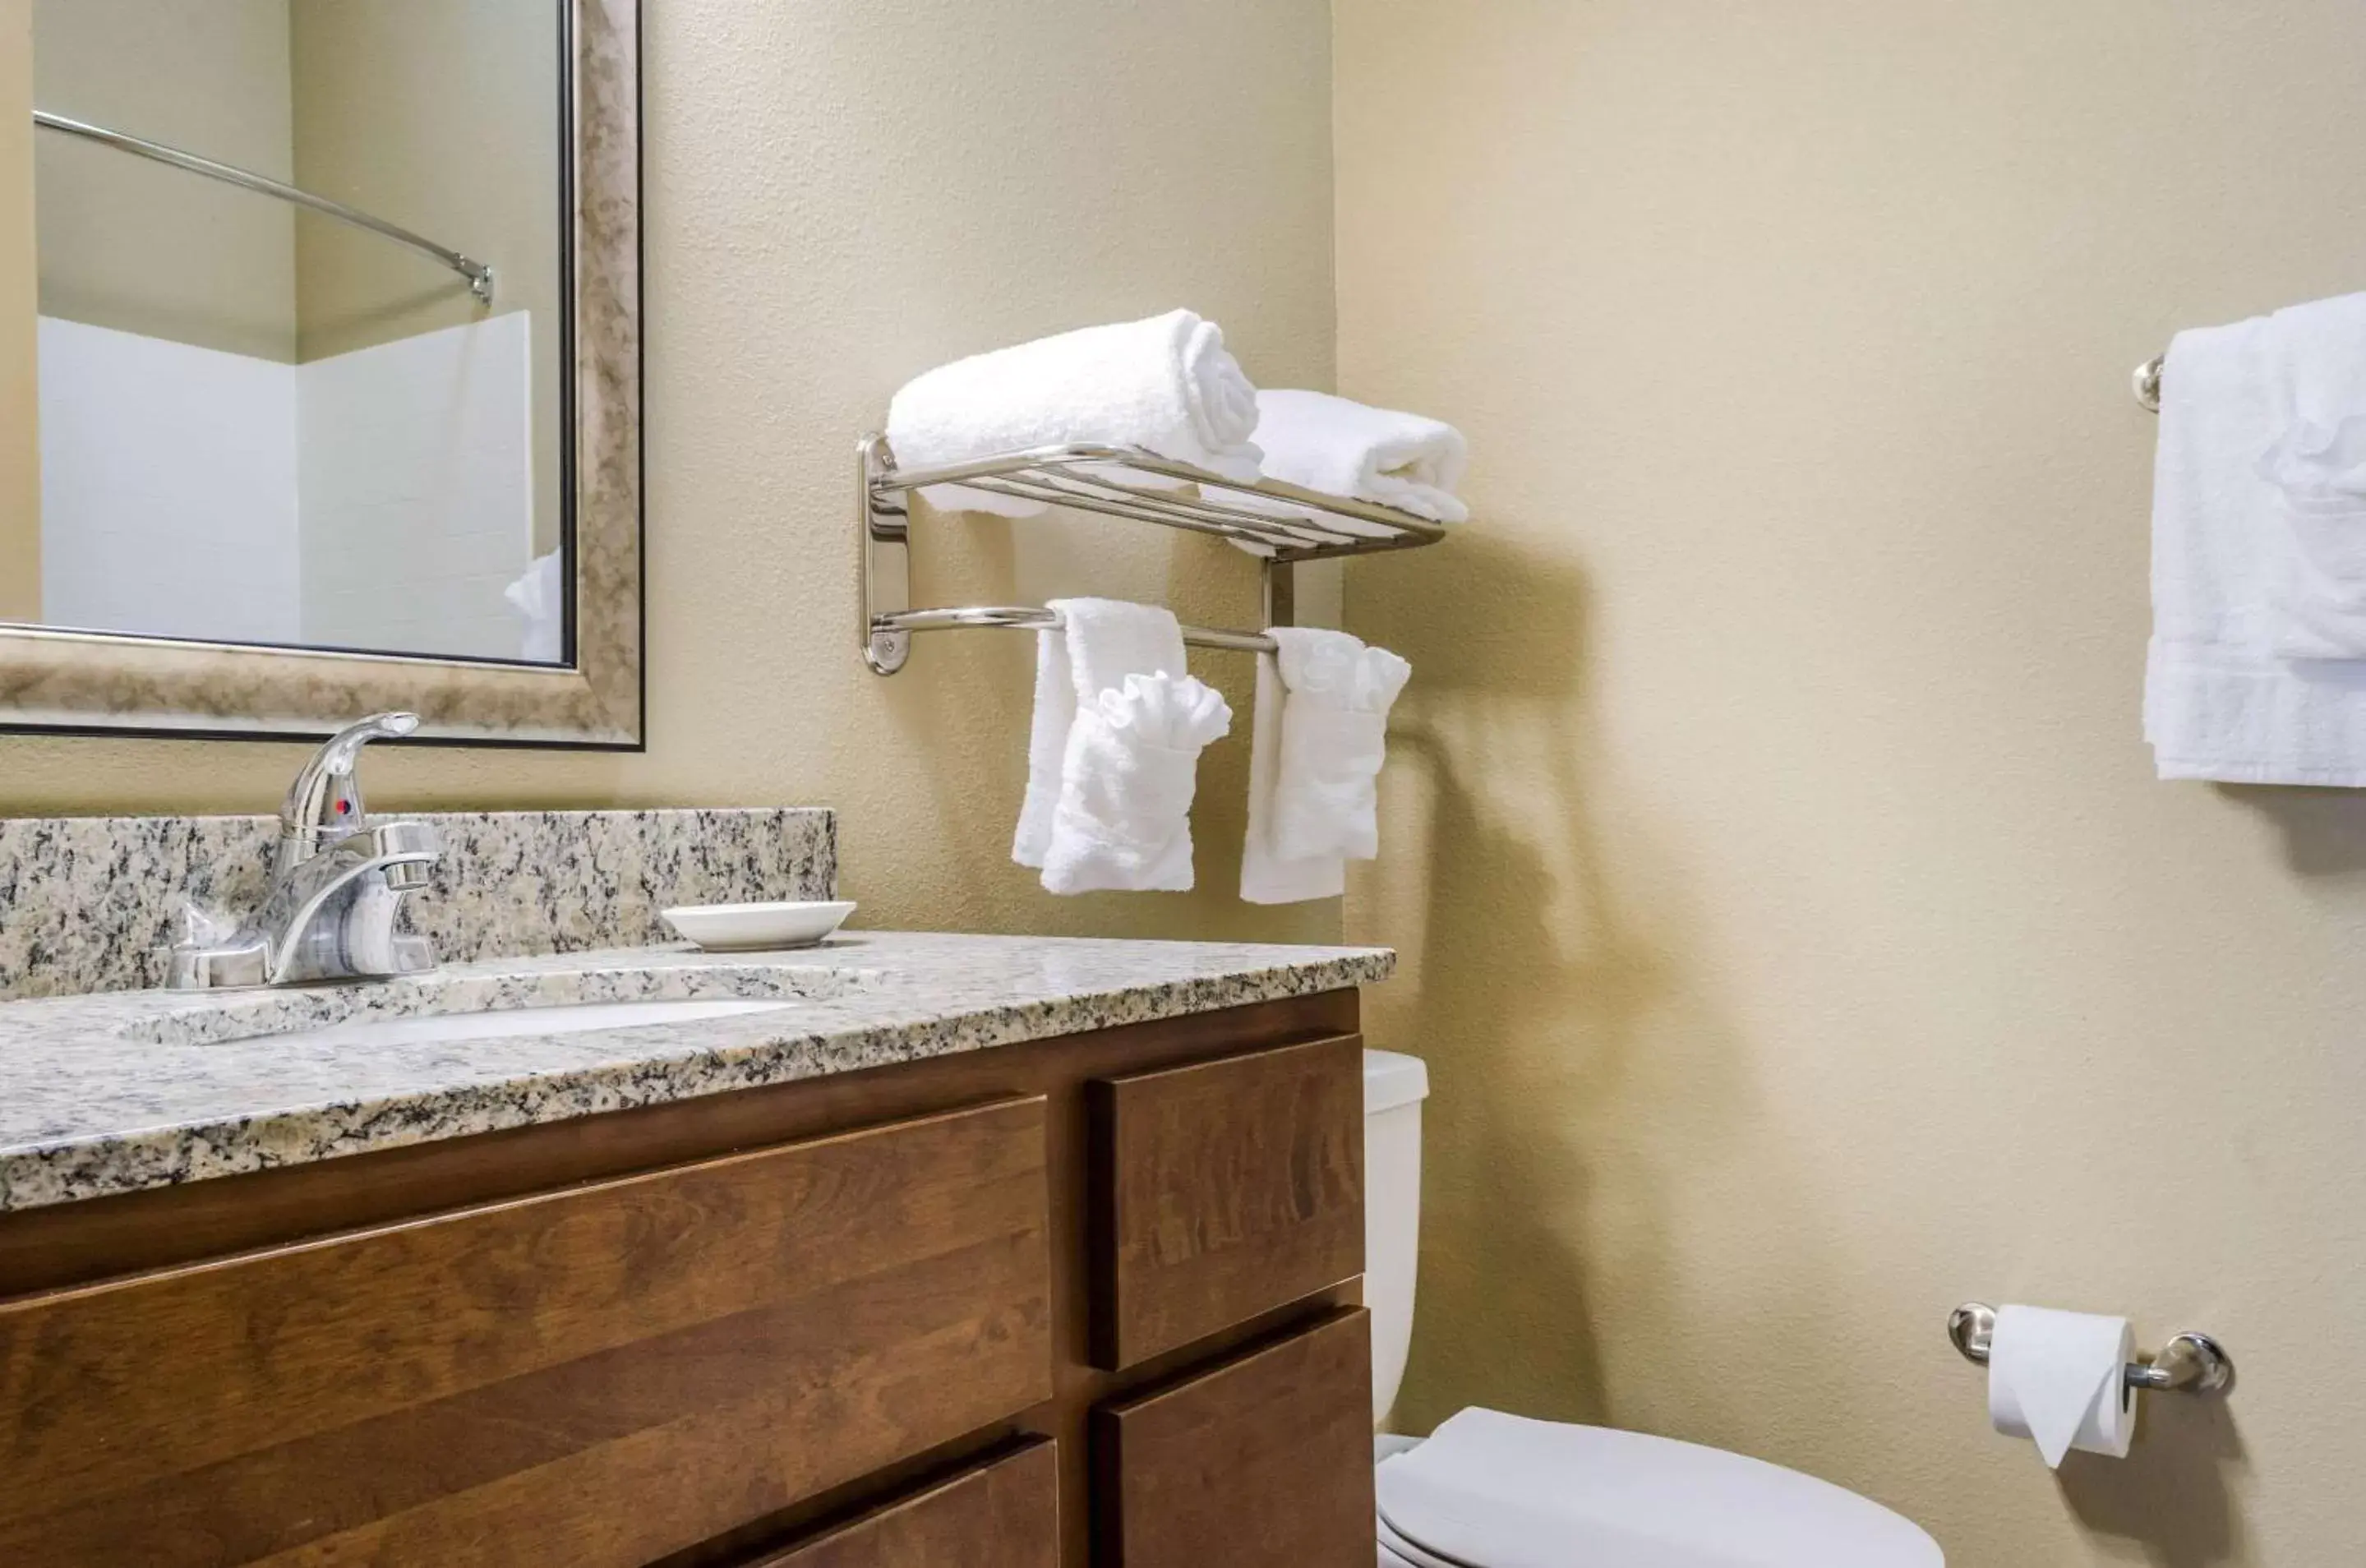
column 1342, row 447
column 1113, row 752
column 1166, row 383
column 2316, row 473
column 2317, row 588
column 1124, row 818
column 2256, row 671
column 1318, row 740
column 1266, row 877
column 1097, row 645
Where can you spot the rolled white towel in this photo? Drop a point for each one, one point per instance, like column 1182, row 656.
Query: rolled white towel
column 1166, row 383
column 1341, row 447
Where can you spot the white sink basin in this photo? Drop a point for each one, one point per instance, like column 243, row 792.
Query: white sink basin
column 506, row 1023
column 481, row 1002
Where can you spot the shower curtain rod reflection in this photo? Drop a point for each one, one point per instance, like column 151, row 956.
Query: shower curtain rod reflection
column 479, row 276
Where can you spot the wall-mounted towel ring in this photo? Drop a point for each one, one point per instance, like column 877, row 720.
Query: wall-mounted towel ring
column 2147, row 382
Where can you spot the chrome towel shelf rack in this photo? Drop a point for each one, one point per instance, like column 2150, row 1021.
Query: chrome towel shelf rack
column 1125, row 482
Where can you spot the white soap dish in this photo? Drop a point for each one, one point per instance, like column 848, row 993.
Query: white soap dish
column 757, row 928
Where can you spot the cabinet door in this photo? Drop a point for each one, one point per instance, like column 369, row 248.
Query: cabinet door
column 592, row 1378
column 1222, row 1190
column 1003, row 1513
column 1263, row 1462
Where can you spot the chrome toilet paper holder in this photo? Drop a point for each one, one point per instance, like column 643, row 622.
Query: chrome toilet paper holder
column 2189, row 1363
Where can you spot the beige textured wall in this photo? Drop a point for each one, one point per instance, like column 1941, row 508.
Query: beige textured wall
column 821, row 229
column 142, row 248
column 20, row 443
column 1800, row 940
column 442, row 116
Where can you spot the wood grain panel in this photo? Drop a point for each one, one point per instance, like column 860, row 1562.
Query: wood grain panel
column 1265, row 1461
column 1005, row 1513
column 598, row 1376
column 382, row 1468
column 62, row 1245
column 1221, row 1191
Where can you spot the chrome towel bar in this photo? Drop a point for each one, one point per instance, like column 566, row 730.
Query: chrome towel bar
column 2147, row 382
column 1124, row 483
column 479, row 276
column 2189, row 1363
column 1018, row 617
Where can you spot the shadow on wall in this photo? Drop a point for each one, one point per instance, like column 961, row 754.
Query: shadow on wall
column 1598, row 1156
column 1531, row 990
column 2172, row 1498
column 2324, row 831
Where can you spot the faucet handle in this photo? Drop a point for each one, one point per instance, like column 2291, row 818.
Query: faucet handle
column 325, row 801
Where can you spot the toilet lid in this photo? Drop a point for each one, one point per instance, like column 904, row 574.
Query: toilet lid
column 1497, row 1491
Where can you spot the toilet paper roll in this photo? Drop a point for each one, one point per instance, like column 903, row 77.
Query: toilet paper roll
column 2059, row 1378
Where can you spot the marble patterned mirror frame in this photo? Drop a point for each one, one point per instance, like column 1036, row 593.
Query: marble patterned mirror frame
column 88, row 683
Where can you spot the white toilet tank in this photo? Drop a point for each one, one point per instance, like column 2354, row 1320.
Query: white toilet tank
column 1394, row 1086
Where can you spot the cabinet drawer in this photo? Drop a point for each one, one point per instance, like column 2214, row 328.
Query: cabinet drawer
column 1004, row 1514
column 596, row 1376
column 1221, row 1191
column 1265, row 1461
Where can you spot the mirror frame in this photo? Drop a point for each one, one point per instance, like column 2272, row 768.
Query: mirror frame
column 103, row 683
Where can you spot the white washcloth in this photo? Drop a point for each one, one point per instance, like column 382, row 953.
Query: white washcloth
column 1317, row 741
column 1113, row 752
column 1166, row 383
column 1342, row 447
column 2256, row 671
column 539, row 598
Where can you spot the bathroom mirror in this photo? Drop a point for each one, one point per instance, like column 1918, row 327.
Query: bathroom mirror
column 325, row 337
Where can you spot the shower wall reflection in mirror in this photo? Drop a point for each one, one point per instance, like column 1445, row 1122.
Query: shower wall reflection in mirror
column 302, row 319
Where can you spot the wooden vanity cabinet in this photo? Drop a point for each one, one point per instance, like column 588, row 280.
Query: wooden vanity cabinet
column 1262, row 1461
column 1001, row 1513
column 1088, row 1301
column 1221, row 1189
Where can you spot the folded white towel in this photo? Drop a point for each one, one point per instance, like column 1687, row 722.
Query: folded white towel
column 1124, row 818
column 1318, row 739
column 1113, row 752
column 1166, row 383
column 2315, row 474
column 1342, row 447
column 2256, row 671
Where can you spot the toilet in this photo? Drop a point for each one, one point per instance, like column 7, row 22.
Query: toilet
column 1489, row 1490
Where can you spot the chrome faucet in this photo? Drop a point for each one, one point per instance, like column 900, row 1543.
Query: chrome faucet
column 336, row 885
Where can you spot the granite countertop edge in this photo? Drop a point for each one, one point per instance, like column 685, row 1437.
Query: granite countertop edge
column 910, row 997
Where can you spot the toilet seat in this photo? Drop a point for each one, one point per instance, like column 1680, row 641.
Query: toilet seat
column 1495, row 1491
column 1396, row 1551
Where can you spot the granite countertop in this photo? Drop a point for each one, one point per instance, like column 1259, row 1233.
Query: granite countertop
column 112, row 1093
